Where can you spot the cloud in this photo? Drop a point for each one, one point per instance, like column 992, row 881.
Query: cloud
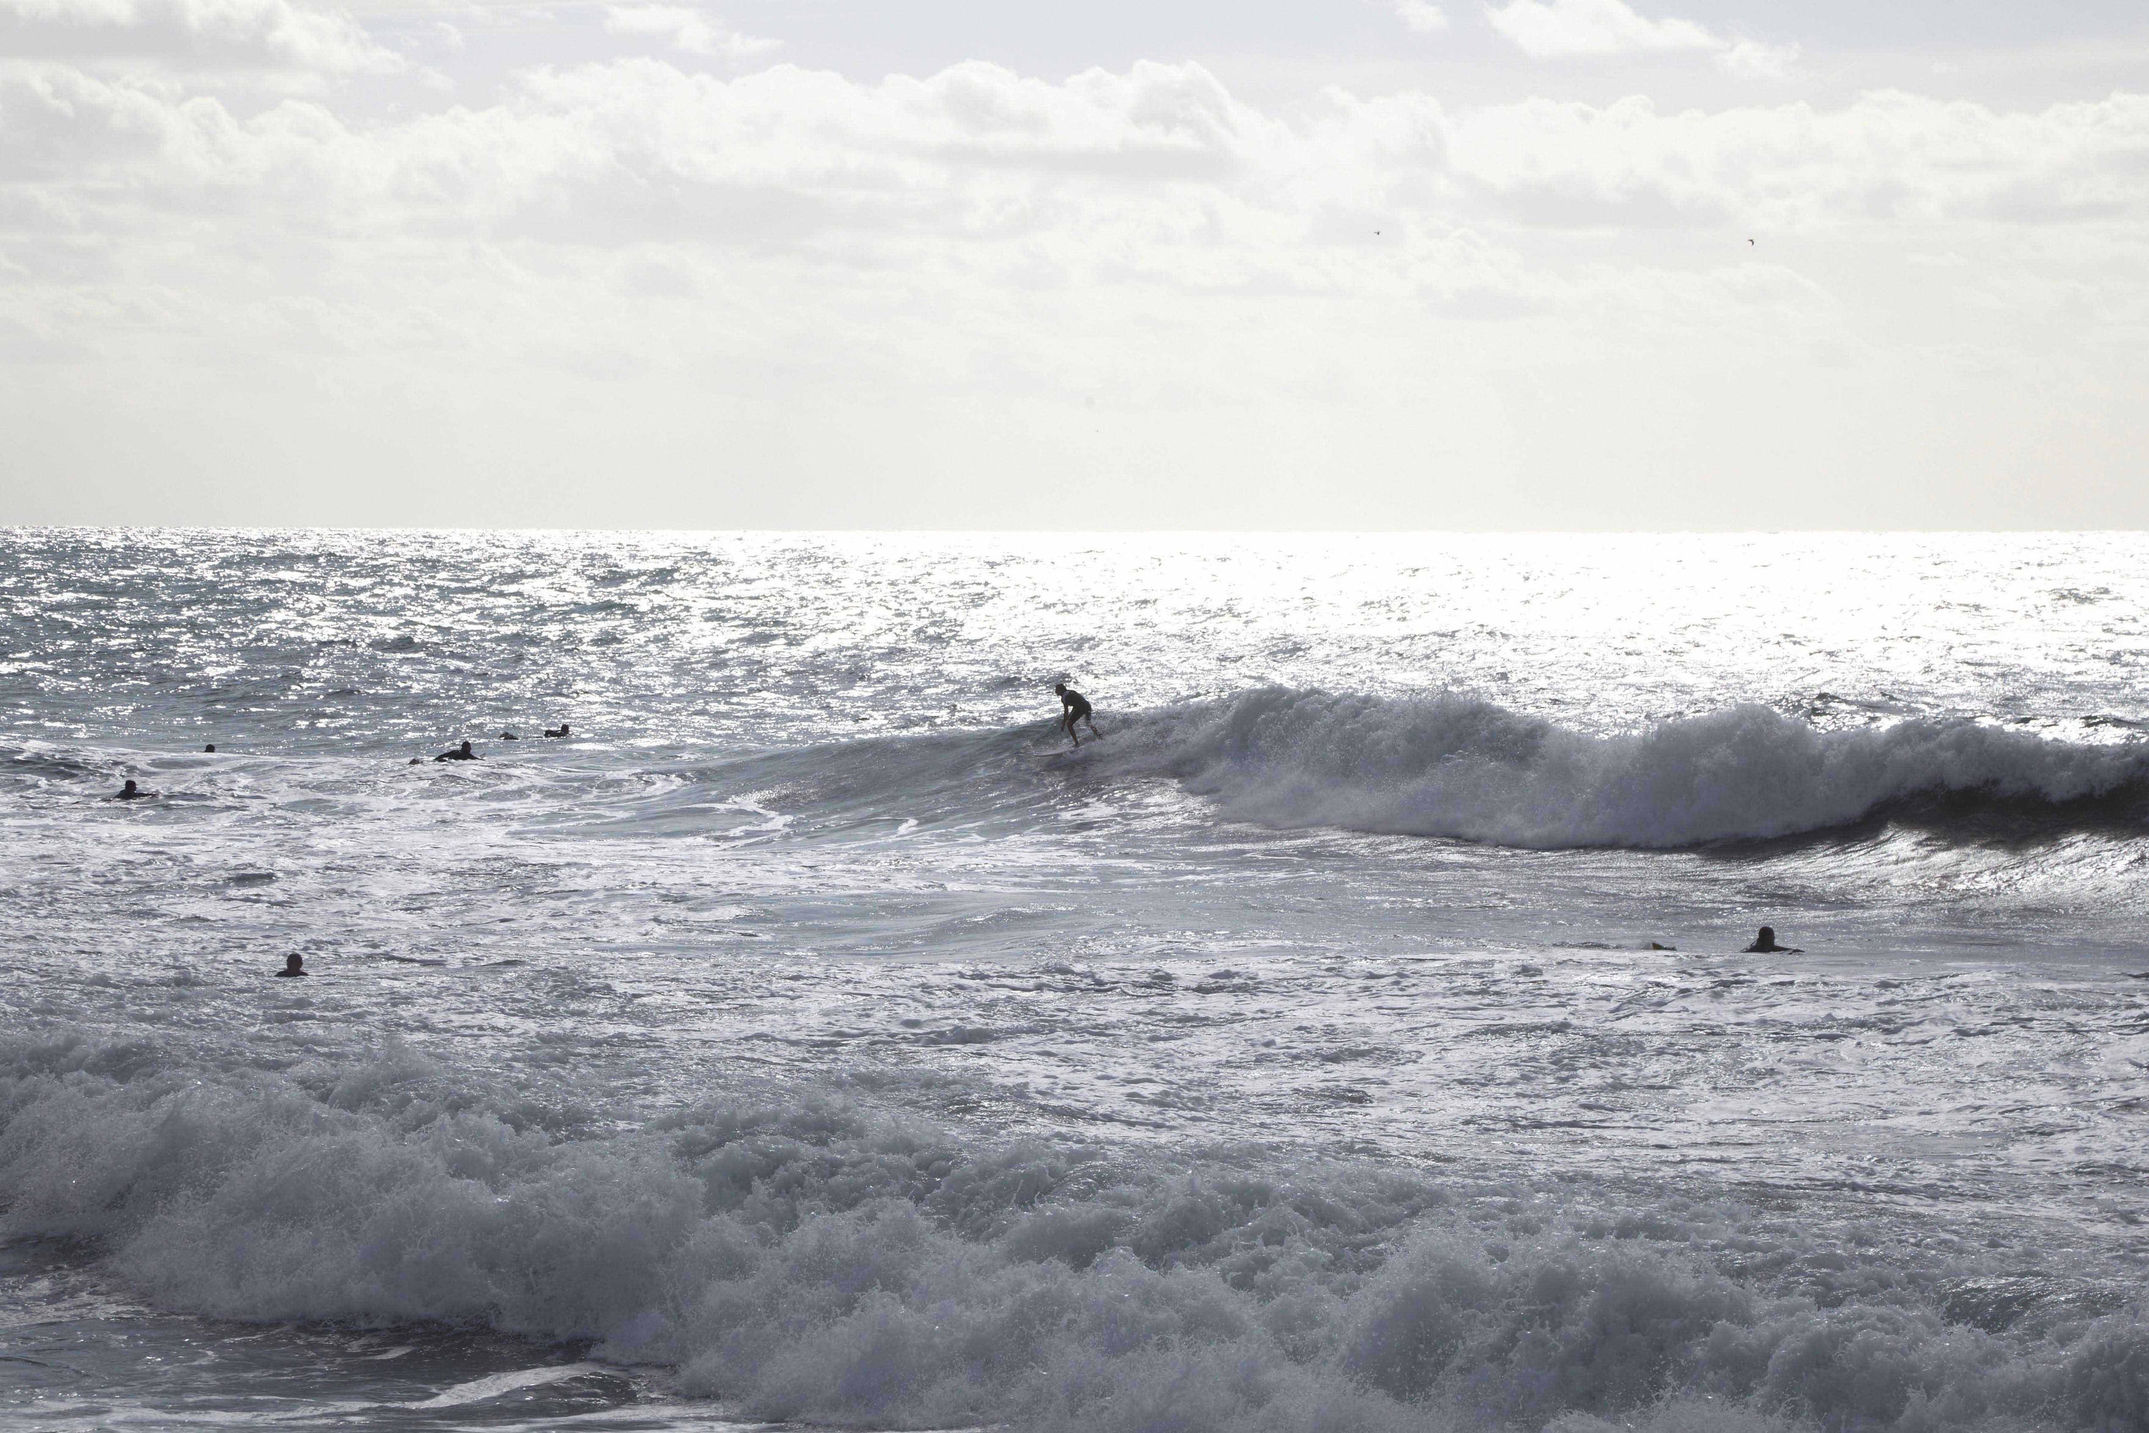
column 1568, row 29
column 1750, row 59
column 808, row 246
column 1420, row 17
column 686, row 30
column 199, row 34
column 1553, row 29
column 1159, row 166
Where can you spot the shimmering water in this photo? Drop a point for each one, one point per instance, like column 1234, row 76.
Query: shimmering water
column 814, row 1035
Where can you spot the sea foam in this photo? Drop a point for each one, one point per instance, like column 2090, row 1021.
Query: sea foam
column 802, row 1255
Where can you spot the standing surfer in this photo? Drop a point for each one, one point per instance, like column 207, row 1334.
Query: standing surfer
column 1074, row 707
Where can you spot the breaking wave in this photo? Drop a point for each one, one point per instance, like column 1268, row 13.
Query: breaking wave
column 1459, row 767
column 801, row 1255
column 1468, row 769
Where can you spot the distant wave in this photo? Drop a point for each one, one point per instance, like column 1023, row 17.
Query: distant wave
column 1460, row 767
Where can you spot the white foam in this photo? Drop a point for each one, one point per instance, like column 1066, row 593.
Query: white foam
column 803, row 1258
column 477, row 1390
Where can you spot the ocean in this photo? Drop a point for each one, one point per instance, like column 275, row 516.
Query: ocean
column 1358, row 1033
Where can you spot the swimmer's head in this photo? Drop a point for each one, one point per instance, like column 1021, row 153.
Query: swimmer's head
column 129, row 788
column 294, row 964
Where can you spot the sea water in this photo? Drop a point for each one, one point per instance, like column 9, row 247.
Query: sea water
column 1356, row 1033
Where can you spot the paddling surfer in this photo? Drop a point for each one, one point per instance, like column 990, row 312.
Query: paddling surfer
column 1074, row 707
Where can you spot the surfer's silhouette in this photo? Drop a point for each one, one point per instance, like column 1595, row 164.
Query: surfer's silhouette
column 560, row 730
column 461, row 753
column 1074, row 707
column 294, row 964
column 1765, row 944
column 131, row 792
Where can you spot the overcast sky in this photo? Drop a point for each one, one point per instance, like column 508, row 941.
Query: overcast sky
column 973, row 263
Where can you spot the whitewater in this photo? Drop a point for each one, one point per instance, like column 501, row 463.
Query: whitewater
column 1359, row 1034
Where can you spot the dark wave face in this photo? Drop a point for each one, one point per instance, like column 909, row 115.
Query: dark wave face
column 1456, row 766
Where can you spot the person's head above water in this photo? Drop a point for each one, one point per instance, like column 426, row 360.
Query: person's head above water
column 1767, row 936
column 464, row 748
column 130, row 789
column 210, row 747
column 294, row 964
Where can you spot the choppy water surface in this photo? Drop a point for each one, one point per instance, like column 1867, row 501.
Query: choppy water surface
column 812, row 1036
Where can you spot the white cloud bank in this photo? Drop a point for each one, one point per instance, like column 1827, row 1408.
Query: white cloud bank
column 981, row 151
column 633, row 292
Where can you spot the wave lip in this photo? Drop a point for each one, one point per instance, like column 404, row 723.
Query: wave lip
column 1456, row 766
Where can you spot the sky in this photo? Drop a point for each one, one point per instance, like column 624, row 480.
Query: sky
column 1219, row 264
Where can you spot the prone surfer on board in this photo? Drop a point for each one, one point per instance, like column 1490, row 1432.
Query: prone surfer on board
column 1074, row 707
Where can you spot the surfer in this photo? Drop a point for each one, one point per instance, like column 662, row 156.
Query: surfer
column 1765, row 944
column 294, row 964
column 461, row 753
column 509, row 736
column 210, row 747
column 560, row 730
column 131, row 792
column 1074, row 707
